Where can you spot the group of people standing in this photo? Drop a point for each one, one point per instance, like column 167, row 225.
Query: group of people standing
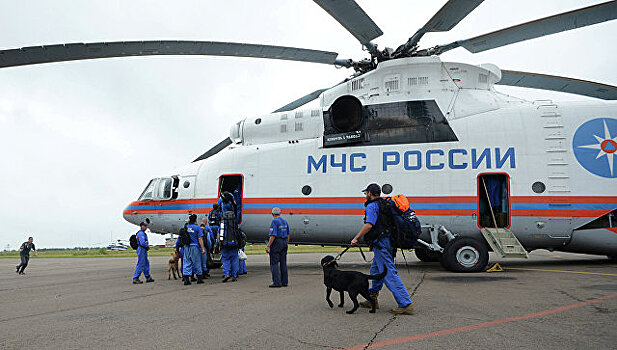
column 218, row 233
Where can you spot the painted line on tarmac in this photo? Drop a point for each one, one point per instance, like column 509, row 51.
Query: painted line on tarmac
column 563, row 271
column 412, row 338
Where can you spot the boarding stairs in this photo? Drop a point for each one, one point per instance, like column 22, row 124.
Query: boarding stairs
column 504, row 243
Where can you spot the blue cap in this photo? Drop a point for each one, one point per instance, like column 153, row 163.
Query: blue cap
column 143, row 224
column 373, row 188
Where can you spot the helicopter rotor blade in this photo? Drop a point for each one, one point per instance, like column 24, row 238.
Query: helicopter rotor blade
column 545, row 26
column 351, row 16
column 557, row 83
column 81, row 51
column 301, row 101
column 214, row 150
column 445, row 19
column 305, row 99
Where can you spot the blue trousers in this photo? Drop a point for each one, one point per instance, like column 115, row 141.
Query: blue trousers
column 278, row 262
column 215, row 233
column 192, row 260
column 242, row 268
column 230, row 261
column 383, row 257
column 143, row 265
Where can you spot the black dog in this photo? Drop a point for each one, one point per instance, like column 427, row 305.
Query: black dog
column 351, row 281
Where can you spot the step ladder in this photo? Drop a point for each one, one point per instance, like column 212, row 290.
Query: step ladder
column 504, row 243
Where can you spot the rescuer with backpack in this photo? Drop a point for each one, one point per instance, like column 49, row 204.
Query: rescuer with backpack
column 377, row 229
column 193, row 239
column 142, row 245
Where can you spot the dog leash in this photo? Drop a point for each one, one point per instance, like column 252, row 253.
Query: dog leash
column 404, row 258
column 363, row 256
column 339, row 255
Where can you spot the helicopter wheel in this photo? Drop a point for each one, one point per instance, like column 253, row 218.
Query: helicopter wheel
column 465, row 254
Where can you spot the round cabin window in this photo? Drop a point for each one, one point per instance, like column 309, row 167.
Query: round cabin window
column 306, row 190
column 186, row 184
column 386, row 189
column 538, row 187
column 258, row 121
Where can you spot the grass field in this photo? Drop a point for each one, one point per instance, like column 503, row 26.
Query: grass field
column 154, row 251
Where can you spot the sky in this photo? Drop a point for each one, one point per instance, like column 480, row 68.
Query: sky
column 80, row 140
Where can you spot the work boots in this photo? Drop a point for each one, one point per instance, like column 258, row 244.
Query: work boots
column 193, row 279
column 137, row 281
column 200, row 279
column 404, row 310
column 226, row 278
column 186, row 280
column 149, row 279
column 367, row 304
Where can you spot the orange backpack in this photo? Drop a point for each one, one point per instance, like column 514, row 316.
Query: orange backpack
column 401, row 202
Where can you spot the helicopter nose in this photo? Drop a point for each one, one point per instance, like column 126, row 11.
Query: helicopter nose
column 130, row 214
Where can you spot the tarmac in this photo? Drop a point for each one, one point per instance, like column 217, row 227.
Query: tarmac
column 551, row 301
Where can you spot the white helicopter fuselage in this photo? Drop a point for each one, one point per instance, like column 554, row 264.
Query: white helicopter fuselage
column 552, row 193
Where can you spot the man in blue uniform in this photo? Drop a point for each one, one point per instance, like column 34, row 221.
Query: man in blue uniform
column 228, row 240
column 227, row 203
column 214, row 221
column 204, row 257
column 24, row 255
column 378, row 237
column 143, row 265
column 193, row 252
column 238, row 199
column 277, row 248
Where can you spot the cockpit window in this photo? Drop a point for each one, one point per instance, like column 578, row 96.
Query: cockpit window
column 149, row 191
column 164, row 186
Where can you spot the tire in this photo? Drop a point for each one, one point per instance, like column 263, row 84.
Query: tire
column 612, row 258
column 426, row 255
column 465, row 254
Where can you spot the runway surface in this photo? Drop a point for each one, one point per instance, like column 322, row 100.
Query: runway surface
column 552, row 301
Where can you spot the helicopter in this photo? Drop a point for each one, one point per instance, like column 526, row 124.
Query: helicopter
column 467, row 157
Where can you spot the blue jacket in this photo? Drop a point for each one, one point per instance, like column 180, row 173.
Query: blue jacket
column 194, row 233
column 142, row 239
column 279, row 228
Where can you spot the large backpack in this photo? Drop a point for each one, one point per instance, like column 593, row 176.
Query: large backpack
column 231, row 236
column 133, row 241
column 385, row 220
column 406, row 227
column 185, row 239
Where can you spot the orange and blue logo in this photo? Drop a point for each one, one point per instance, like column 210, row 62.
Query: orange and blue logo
column 595, row 146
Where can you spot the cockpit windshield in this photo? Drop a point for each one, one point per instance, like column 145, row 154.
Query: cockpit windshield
column 149, row 191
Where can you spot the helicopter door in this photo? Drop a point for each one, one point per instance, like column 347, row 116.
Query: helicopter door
column 494, row 200
column 233, row 183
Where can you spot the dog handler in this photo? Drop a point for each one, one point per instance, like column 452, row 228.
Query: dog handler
column 277, row 248
column 193, row 252
column 383, row 253
column 24, row 255
column 143, row 265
